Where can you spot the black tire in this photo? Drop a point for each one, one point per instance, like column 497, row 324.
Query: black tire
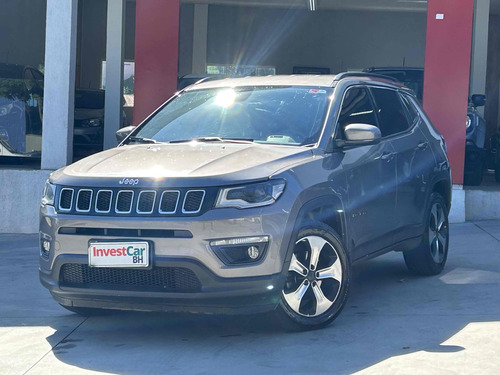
column 475, row 178
column 328, row 276
column 430, row 257
column 86, row 311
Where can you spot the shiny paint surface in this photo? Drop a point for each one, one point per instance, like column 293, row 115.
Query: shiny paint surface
column 369, row 193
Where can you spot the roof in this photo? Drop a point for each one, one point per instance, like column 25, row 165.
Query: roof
column 324, row 80
column 277, row 80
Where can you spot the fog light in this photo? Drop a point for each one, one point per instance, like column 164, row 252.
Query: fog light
column 45, row 241
column 253, row 252
column 233, row 251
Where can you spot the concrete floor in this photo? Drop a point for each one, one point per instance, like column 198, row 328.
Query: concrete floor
column 393, row 323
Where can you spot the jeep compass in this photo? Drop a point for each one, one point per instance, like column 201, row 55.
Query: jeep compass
column 249, row 195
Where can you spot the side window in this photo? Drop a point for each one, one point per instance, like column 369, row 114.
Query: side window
column 391, row 114
column 413, row 115
column 357, row 108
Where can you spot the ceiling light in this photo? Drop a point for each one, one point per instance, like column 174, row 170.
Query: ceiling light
column 312, row 5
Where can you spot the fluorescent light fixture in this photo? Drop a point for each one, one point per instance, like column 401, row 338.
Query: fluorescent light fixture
column 312, row 5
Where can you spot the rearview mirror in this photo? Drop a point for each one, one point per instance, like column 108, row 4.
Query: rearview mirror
column 478, row 100
column 123, row 133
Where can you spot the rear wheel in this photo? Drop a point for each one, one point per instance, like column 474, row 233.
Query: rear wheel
column 430, row 257
column 317, row 281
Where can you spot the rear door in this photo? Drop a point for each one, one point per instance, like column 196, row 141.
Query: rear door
column 370, row 172
column 414, row 159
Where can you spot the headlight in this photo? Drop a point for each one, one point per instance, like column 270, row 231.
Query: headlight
column 48, row 194
column 91, row 123
column 468, row 122
column 254, row 195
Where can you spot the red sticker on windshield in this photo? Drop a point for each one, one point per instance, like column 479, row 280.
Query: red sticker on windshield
column 316, row 91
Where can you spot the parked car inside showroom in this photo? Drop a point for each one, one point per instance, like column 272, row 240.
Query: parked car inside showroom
column 475, row 155
column 250, row 195
column 21, row 96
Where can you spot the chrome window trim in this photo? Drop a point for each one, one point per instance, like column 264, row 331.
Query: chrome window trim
column 110, row 201
column 201, row 203
column 139, row 199
column 78, row 198
column 176, row 202
column 131, row 201
column 71, row 204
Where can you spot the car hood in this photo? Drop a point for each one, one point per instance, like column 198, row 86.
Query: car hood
column 193, row 160
column 85, row 113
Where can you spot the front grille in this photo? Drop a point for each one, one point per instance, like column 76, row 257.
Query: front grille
column 84, row 200
column 135, row 202
column 193, row 201
column 103, row 201
column 162, row 279
column 124, row 202
column 66, row 199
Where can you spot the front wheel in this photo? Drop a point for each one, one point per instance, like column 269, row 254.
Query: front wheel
column 317, row 281
column 430, row 257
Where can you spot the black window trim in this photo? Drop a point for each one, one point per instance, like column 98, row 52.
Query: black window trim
column 404, row 132
column 336, row 128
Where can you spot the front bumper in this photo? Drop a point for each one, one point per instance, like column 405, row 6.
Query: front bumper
column 248, row 288
column 217, row 295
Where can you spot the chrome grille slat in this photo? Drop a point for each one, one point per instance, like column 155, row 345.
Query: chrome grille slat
column 124, row 200
column 66, row 199
column 146, row 202
column 103, row 201
column 193, row 200
column 155, row 201
column 169, row 201
column 84, row 200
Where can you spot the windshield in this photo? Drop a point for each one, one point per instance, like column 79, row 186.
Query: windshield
column 278, row 115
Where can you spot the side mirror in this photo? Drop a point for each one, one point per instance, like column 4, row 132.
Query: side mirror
column 359, row 134
column 478, row 100
column 123, row 133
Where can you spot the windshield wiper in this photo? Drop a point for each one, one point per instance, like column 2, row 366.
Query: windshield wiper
column 214, row 139
column 141, row 140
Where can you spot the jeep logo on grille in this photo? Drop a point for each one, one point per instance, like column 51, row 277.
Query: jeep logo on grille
column 129, row 181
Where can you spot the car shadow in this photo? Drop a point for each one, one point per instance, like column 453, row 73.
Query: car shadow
column 389, row 314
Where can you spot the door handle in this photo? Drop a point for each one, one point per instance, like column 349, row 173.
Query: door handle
column 423, row 145
column 387, row 156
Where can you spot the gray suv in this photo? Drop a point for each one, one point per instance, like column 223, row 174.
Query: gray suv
column 249, row 195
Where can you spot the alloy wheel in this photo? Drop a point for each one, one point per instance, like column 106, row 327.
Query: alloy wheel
column 438, row 232
column 314, row 277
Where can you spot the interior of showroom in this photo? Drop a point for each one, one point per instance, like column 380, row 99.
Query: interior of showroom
column 133, row 52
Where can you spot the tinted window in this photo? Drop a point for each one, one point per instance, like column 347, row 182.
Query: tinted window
column 412, row 111
column 357, row 108
column 391, row 114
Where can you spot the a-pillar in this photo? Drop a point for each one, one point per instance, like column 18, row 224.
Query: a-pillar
column 446, row 79
column 59, row 91
column 113, row 111
column 156, row 54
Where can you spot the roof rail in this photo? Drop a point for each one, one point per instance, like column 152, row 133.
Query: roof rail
column 343, row 75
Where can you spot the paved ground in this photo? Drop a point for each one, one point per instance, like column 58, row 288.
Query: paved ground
column 393, row 323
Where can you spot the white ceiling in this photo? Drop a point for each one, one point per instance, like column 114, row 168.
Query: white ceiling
column 393, row 5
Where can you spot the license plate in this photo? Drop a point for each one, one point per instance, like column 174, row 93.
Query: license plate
column 119, row 254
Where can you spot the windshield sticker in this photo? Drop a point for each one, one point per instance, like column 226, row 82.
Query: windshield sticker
column 316, row 91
